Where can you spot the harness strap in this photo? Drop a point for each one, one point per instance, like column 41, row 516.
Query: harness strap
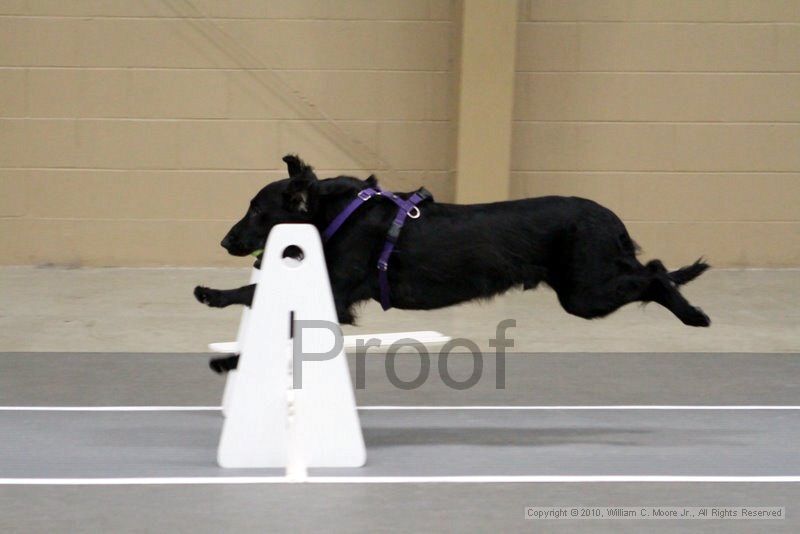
column 363, row 196
column 406, row 208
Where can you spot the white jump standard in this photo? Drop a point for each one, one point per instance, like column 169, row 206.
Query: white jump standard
column 290, row 403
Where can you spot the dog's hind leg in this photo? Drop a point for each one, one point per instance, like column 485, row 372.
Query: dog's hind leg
column 221, row 298
column 663, row 290
column 666, row 294
column 599, row 302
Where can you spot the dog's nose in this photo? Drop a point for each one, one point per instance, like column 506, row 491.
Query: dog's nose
column 226, row 242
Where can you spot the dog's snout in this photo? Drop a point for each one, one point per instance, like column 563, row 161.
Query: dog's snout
column 226, row 242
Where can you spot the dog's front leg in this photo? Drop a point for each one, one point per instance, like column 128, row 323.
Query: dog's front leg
column 221, row 298
column 224, row 364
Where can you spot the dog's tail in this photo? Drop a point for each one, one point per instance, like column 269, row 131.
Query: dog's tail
column 688, row 273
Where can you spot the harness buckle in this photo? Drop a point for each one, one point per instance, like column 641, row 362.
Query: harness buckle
column 364, row 195
column 414, row 213
column 394, row 231
column 383, row 265
column 424, row 194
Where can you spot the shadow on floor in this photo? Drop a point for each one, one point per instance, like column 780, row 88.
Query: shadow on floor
column 540, row 437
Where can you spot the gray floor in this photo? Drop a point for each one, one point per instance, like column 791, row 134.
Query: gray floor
column 405, row 443
column 114, row 379
column 373, row 509
column 412, row 443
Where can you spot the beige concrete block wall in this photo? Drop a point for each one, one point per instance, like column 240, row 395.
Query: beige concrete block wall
column 134, row 133
column 681, row 116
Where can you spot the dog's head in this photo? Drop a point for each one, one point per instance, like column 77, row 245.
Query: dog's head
column 301, row 198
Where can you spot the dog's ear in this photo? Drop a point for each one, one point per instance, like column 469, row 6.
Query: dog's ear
column 297, row 167
column 372, row 181
column 302, row 182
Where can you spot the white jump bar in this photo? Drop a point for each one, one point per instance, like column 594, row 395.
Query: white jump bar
column 426, row 337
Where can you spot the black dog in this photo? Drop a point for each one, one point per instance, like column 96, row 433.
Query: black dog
column 455, row 253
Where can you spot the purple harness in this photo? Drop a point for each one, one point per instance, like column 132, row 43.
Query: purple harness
column 405, row 208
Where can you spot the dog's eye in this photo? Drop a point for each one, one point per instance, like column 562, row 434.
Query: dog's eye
column 255, row 211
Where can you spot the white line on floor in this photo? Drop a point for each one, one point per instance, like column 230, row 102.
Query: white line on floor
column 587, row 407
column 405, row 408
column 110, row 408
column 391, row 480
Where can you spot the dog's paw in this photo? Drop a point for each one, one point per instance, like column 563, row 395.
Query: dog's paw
column 209, row 297
column 697, row 318
column 223, row 365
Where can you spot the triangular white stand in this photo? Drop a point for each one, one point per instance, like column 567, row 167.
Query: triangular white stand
column 269, row 423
